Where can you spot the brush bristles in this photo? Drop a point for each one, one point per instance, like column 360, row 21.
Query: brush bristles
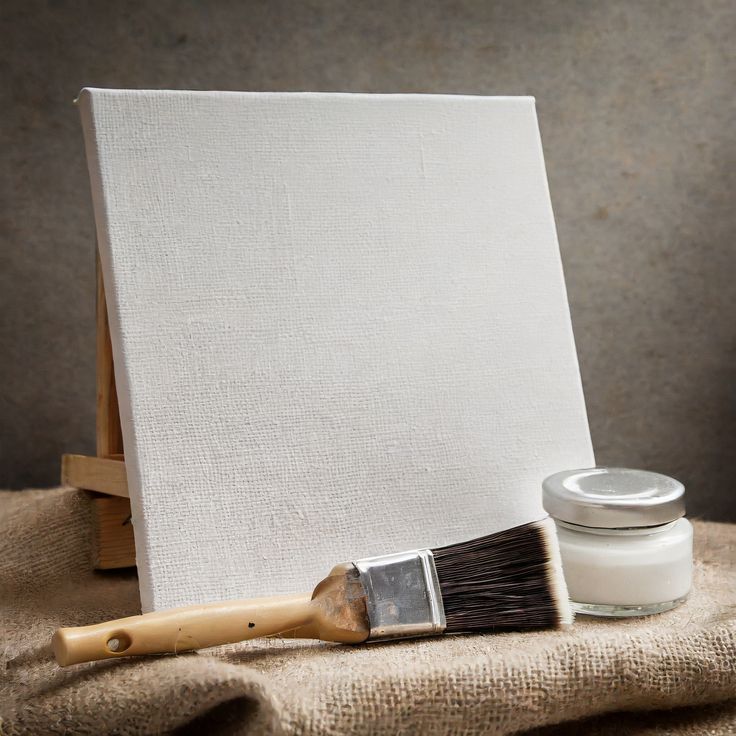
column 509, row 580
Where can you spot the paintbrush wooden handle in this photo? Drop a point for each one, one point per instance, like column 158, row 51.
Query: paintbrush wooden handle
column 181, row 629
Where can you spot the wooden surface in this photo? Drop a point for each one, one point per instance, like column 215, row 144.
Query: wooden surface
column 114, row 544
column 335, row 611
column 113, row 540
column 182, row 629
column 101, row 474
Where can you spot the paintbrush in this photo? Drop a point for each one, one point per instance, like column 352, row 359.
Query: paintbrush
column 511, row 580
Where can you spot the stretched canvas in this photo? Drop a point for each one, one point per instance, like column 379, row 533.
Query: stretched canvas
column 339, row 326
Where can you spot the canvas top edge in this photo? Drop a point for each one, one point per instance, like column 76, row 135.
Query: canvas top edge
column 113, row 92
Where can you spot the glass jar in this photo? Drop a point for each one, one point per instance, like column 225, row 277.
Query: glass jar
column 626, row 548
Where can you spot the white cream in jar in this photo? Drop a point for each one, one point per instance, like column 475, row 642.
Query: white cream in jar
column 626, row 548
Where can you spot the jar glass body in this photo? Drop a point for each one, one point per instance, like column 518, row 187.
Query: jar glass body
column 626, row 572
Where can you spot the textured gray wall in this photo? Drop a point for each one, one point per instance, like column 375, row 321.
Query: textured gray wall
column 636, row 104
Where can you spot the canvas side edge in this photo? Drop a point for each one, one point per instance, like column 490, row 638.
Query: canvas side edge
column 86, row 103
column 589, row 450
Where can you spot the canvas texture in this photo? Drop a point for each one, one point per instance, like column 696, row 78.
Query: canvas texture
column 339, row 325
column 487, row 684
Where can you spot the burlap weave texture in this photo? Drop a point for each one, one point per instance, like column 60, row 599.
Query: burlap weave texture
column 499, row 684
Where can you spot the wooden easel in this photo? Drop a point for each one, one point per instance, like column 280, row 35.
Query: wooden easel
column 104, row 475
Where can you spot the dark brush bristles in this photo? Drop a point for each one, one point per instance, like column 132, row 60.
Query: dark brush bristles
column 509, row 580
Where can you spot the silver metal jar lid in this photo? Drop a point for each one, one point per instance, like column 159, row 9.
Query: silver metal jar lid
column 613, row 498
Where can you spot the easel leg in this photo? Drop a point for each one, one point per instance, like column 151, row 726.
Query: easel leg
column 113, row 543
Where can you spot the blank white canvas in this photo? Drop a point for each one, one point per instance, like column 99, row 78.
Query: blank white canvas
column 339, row 324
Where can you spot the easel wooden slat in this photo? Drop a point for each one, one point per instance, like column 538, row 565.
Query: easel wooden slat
column 105, row 475
column 114, row 545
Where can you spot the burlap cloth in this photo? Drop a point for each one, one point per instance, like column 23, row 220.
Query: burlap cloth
column 462, row 684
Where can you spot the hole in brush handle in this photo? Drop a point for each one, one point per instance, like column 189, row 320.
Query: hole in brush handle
column 119, row 642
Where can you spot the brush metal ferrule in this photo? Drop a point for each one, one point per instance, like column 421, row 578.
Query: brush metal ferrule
column 403, row 595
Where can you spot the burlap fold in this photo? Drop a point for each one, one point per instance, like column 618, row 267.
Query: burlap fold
column 498, row 684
